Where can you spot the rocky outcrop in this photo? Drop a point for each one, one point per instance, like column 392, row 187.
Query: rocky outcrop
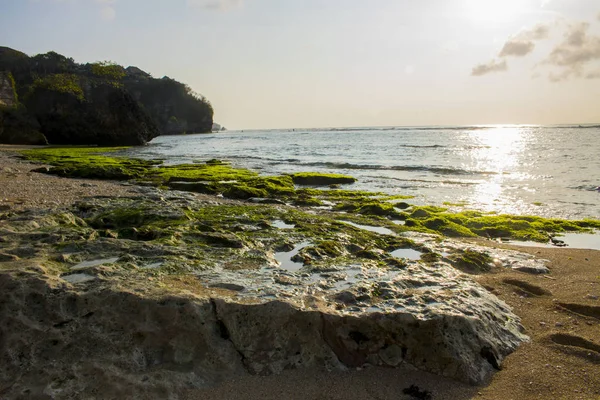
column 18, row 127
column 96, row 104
column 173, row 105
column 153, row 294
column 8, row 94
column 108, row 116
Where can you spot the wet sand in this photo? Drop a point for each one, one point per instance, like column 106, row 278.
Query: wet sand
column 561, row 314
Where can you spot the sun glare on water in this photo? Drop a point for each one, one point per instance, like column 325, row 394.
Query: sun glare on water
column 494, row 10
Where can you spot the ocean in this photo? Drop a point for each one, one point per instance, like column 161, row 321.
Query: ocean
column 551, row 171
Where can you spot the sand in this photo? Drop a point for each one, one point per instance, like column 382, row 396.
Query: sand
column 561, row 314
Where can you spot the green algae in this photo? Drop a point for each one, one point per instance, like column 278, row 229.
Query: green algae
column 472, row 262
column 218, row 177
column 370, row 207
column 474, row 223
column 89, row 162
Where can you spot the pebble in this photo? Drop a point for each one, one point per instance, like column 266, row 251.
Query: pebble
column 558, row 325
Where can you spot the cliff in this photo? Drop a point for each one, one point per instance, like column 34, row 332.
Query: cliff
column 64, row 102
column 173, row 105
column 16, row 126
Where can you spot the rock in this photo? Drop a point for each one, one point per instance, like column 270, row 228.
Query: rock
column 18, row 127
column 4, row 257
column 223, row 239
column 265, row 201
column 102, row 104
column 109, row 116
column 317, row 179
column 402, row 205
column 532, row 269
column 139, row 346
column 127, row 331
column 8, row 95
column 420, row 213
column 228, row 286
column 196, row 187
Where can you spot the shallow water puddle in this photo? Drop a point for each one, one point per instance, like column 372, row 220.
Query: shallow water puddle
column 155, row 265
column 352, row 276
column 589, row 241
column 377, row 229
column 582, row 240
column 285, row 260
column 282, row 225
column 407, row 253
column 78, row 278
column 93, row 263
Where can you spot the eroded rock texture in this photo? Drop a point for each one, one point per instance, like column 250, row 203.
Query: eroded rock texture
column 121, row 298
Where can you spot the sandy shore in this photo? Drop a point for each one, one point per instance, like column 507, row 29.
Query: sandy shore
column 561, row 314
column 21, row 189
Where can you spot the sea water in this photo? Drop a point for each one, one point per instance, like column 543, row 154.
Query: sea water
column 548, row 171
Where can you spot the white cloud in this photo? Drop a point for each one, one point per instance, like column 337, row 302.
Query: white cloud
column 222, row 5
column 573, row 55
column 492, row 66
column 523, row 42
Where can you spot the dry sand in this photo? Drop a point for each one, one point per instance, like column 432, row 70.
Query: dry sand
column 561, row 314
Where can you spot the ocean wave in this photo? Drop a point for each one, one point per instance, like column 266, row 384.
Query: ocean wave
column 443, row 182
column 588, row 188
column 408, row 168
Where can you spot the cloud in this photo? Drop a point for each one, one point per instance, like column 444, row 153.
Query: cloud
column 522, row 43
column 492, row 66
column 518, row 45
column 221, row 5
column 574, row 53
column 517, row 48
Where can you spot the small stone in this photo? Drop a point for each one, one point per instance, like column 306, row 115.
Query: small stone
column 559, row 325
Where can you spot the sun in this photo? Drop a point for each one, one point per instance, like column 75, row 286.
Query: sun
column 494, row 10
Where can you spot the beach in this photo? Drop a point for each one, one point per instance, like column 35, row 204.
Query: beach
column 560, row 312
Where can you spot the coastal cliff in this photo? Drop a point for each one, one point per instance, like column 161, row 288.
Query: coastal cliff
column 48, row 98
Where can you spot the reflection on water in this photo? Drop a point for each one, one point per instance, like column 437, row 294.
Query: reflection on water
column 407, row 253
column 547, row 171
column 590, row 241
column 285, row 258
column 499, row 150
column 376, row 229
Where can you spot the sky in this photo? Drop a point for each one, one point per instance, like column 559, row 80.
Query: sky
column 340, row 63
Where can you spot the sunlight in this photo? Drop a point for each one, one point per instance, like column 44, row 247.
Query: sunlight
column 500, row 152
column 494, row 10
column 500, row 148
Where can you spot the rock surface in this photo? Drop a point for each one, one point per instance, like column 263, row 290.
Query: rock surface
column 8, row 96
column 112, row 300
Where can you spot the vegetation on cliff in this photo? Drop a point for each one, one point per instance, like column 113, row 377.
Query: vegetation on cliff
column 96, row 103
